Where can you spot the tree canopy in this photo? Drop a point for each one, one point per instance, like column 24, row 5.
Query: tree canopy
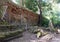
column 32, row 5
column 49, row 8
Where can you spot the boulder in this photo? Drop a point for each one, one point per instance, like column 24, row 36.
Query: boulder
column 46, row 38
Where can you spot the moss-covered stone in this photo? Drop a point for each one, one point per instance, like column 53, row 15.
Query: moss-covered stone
column 39, row 34
column 10, row 34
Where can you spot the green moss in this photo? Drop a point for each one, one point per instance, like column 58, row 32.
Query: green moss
column 39, row 34
column 10, row 34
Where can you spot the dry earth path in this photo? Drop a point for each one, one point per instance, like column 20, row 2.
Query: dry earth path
column 29, row 37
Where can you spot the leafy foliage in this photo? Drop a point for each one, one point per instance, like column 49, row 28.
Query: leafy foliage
column 32, row 5
column 49, row 10
column 45, row 22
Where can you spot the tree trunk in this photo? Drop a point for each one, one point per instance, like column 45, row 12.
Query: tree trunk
column 51, row 25
column 40, row 16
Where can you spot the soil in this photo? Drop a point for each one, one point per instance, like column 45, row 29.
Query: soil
column 29, row 37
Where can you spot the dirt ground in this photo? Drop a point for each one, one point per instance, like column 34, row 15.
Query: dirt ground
column 29, row 37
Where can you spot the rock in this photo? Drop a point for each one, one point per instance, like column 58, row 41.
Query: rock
column 39, row 34
column 46, row 38
column 45, row 33
column 58, row 30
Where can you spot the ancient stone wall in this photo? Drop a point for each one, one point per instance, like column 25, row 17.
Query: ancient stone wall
column 19, row 14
